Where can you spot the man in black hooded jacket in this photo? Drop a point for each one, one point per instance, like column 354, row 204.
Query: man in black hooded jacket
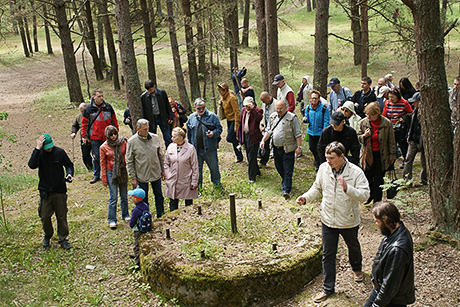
column 393, row 268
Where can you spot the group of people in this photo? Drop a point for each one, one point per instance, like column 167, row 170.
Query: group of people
column 346, row 131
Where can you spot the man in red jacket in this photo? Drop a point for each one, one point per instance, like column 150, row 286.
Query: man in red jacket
column 96, row 117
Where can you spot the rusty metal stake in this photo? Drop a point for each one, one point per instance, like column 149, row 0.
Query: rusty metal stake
column 274, row 247
column 260, row 204
column 233, row 213
column 199, row 210
column 299, row 221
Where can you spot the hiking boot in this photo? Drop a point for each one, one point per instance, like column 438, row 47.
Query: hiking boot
column 320, row 297
column 94, row 180
column 286, row 195
column 66, row 245
column 359, row 276
column 46, row 242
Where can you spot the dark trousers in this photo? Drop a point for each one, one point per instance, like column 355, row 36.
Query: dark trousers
column 86, row 156
column 266, row 153
column 231, row 138
column 137, row 235
column 410, row 157
column 159, row 199
column 95, row 145
column 284, row 163
column 401, row 139
column 54, row 203
column 375, row 176
column 174, row 204
column 251, row 155
column 330, row 243
column 313, row 144
column 371, row 300
column 165, row 130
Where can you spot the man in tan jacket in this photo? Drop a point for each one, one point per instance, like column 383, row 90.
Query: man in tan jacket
column 144, row 160
column 343, row 186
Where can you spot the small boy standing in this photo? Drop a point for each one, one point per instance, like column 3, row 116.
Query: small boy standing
column 137, row 195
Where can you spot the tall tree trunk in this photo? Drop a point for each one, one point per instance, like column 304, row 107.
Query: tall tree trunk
column 211, row 64
column 14, row 19
column 100, row 37
column 271, row 17
column 49, row 46
column 321, row 47
column 308, row 5
column 230, row 18
column 262, row 41
column 364, row 38
column 245, row 38
column 128, row 59
column 356, row 29
column 35, row 32
column 29, row 41
column 441, row 149
column 70, row 63
column 92, row 42
column 159, row 11
column 201, row 42
column 176, row 58
column 148, row 42
column 110, row 46
column 191, row 57
column 23, row 35
column 153, row 27
column 313, row 2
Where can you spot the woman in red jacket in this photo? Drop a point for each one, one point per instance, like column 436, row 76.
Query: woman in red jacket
column 114, row 173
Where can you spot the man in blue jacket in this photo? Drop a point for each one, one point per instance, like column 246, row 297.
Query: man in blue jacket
column 203, row 132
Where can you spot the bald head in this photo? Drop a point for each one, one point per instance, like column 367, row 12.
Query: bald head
column 265, row 97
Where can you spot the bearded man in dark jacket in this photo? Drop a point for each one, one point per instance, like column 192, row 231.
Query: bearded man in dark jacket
column 157, row 110
column 393, row 268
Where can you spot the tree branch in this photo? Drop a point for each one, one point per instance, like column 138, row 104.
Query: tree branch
column 452, row 26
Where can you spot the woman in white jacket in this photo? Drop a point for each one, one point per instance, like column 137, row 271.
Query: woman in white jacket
column 343, row 186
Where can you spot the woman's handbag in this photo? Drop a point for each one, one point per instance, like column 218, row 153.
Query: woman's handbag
column 391, row 192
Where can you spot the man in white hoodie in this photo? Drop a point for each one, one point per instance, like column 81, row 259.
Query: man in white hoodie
column 343, row 186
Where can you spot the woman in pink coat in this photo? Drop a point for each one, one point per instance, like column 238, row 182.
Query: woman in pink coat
column 181, row 170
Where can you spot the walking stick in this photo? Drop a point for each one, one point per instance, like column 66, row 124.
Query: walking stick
column 73, row 150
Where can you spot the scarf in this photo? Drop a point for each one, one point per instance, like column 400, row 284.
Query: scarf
column 300, row 95
column 367, row 157
column 120, row 173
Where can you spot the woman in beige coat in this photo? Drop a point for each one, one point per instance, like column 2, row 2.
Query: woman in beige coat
column 181, row 170
column 379, row 148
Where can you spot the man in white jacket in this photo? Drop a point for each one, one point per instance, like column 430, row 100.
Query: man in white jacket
column 343, row 186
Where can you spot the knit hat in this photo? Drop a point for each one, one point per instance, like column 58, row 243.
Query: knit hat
column 48, row 143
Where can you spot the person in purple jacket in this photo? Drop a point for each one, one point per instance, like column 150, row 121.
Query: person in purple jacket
column 137, row 195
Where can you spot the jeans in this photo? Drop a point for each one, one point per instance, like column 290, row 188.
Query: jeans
column 165, row 130
column 86, row 156
column 174, row 204
column 95, row 144
column 113, row 199
column 313, row 144
column 55, row 203
column 411, row 153
column 213, row 164
column 284, row 163
column 159, row 199
column 375, row 176
column 330, row 243
column 371, row 300
column 231, row 138
column 251, row 155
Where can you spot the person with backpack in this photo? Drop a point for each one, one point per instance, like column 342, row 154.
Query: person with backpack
column 318, row 119
column 138, row 213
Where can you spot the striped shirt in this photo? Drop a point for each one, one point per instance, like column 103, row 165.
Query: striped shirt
column 395, row 110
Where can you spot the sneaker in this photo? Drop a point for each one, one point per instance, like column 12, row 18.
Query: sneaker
column 320, row 297
column 127, row 219
column 46, row 242
column 94, row 180
column 359, row 276
column 286, row 195
column 238, row 161
column 251, row 181
column 113, row 225
column 66, row 245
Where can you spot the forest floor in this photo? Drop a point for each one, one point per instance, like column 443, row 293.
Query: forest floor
column 98, row 272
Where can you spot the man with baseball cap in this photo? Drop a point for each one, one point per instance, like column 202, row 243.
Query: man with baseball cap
column 338, row 95
column 51, row 162
column 339, row 131
column 285, row 92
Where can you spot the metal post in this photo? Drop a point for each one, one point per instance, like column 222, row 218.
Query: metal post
column 299, row 221
column 199, row 210
column 260, row 204
column 202, row 253
column 168, row 234
column 274, row 247
column 233, row 213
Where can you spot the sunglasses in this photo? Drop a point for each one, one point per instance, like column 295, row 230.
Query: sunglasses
column 200, row 108
column 113, row 134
